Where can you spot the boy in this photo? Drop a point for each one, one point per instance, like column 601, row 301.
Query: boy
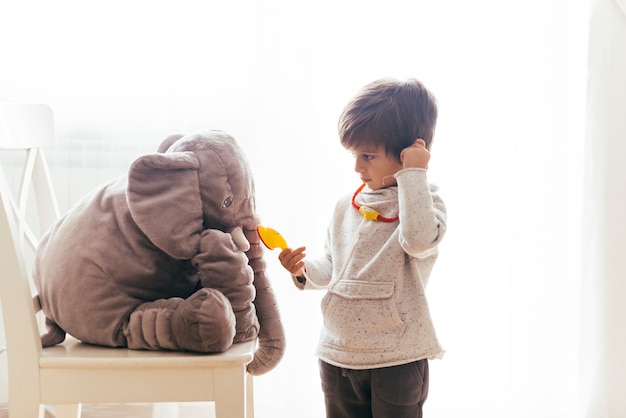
column 381, row 246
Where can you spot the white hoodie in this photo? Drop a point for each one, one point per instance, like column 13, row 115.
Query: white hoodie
column 375, row 310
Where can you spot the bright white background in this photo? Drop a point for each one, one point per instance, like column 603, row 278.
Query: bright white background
column 511, row 80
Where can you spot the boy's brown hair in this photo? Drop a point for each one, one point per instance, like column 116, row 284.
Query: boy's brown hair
column 391, row 113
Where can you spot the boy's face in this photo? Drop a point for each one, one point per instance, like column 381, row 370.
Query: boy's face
column 375, row 167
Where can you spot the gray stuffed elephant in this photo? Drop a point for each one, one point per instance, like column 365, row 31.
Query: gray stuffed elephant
column 165, row 258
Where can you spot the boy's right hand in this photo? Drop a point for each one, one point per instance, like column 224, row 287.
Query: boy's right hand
column 415, row 155
column 292, row 260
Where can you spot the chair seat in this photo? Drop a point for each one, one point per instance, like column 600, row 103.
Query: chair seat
column 87, row 373
column 75, row 354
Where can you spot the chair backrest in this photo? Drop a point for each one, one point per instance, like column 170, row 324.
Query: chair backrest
column 26, row 210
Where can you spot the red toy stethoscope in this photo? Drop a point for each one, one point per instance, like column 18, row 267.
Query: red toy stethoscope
column 370, row 213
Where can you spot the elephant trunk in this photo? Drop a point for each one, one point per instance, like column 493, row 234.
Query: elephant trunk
column 271, row 342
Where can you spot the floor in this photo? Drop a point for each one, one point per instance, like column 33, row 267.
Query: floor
column 165, row 410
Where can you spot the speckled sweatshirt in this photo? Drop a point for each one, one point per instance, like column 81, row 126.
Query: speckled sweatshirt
column 375, row 309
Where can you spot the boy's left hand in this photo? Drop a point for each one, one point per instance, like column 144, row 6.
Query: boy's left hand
column 415, row 155
column 292, row 260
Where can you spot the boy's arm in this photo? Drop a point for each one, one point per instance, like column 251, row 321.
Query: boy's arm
column 422, row 212
column 299, row 281
column 307, row 273
column 293, row 261
column 316, row 274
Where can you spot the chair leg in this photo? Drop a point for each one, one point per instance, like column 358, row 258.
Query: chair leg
column 249, row 396
column 68, row 410
column 24, row 409
column 230, row 392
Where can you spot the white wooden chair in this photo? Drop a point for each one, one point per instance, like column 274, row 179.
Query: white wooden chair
column 74, row 373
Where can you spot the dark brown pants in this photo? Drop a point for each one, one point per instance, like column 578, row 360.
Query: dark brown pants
column 388, row 392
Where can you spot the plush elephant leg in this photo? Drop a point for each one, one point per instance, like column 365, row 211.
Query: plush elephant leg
column 224, row 267
column 54, row 334
column 204, row 322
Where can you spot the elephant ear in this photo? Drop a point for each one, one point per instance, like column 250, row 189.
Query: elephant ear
column 163, row 196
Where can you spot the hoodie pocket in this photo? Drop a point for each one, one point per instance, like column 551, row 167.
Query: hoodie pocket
column 361, row 316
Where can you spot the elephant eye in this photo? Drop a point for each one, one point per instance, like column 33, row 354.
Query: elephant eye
column 227, row 202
